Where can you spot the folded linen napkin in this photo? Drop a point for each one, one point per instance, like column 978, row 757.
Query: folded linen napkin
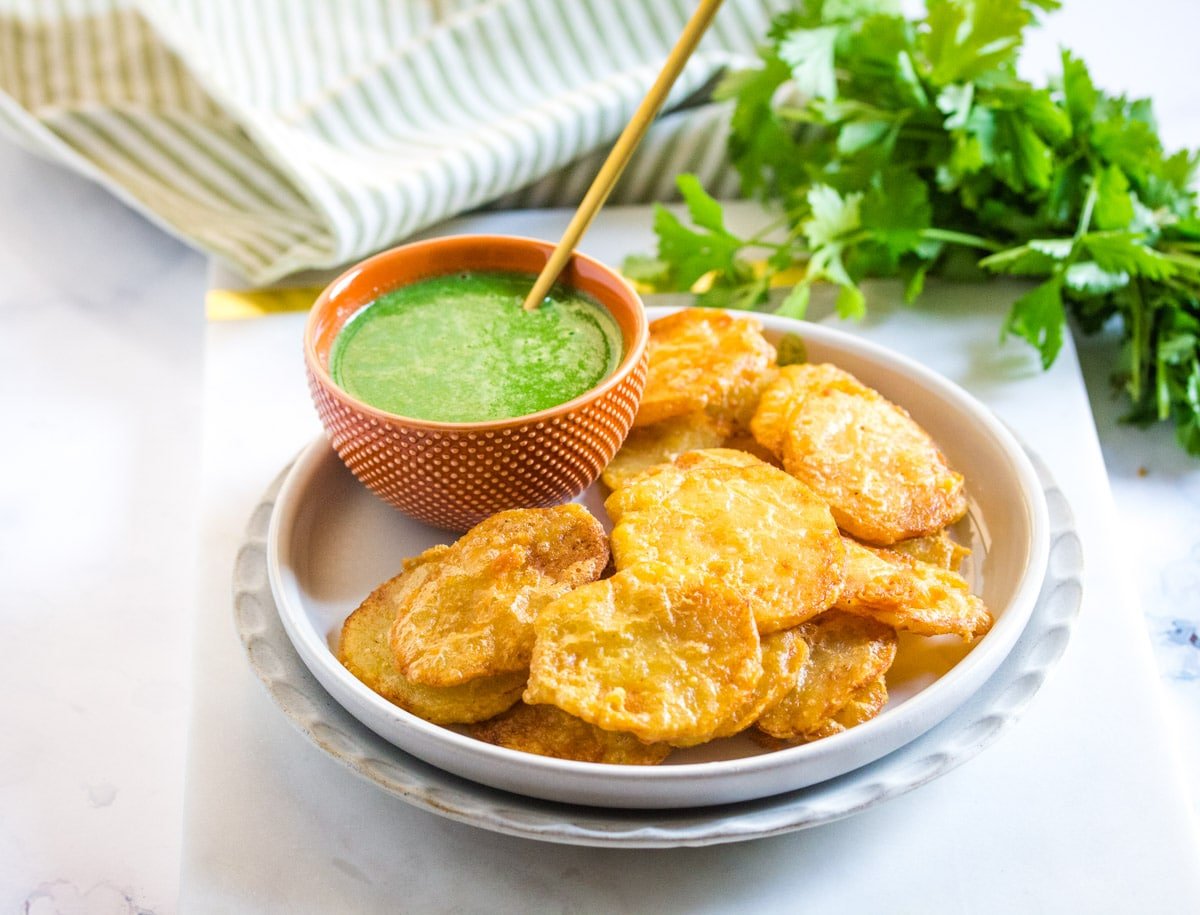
column 280, row 135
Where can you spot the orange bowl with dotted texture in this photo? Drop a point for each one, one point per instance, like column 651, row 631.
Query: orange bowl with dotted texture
column 453, row 475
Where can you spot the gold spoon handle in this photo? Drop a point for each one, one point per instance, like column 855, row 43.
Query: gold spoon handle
column 622, row 150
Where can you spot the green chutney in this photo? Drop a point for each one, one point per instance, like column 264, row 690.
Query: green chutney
column 460, row 348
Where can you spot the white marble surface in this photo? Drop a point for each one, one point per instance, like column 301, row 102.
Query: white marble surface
column 102, row 333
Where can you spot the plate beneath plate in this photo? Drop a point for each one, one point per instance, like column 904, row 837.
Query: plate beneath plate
column 330, row 543
column 973, row 726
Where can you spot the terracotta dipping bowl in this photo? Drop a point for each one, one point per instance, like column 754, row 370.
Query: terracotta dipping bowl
column 453, row 475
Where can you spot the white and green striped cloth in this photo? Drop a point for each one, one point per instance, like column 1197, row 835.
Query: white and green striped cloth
column 280, row 135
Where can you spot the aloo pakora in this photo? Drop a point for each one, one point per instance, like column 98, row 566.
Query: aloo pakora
column 662, row 442
column 783, row 657
column 846, row 653
column 883, row 476
column 739, row 520
column 469, row 611
column 363, row 650
column 906, row 593
column 549, row 731
column 938, row 549
column 664, row 654
column 703, row 360
column 773, row 528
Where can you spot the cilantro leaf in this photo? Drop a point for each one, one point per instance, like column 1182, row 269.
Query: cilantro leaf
column 965, row 40
column 691, row 254
column 1089, row 278
column 896, row 210
column 809, row 54
column 1079, row 93
column 1124, row 252
column 1038, row 317
column 832, row 215
column 703, row 209
column 1114, row 205
column 763, row 149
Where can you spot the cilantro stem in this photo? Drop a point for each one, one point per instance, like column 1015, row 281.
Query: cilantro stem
column 1137, row 340
column 1187, row 261
column 960, row 238
column 1089, row 204
column 1162, row 388
column 757, row 237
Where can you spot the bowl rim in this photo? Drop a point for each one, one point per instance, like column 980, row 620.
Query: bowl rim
column 866, row 742
column 618, row 376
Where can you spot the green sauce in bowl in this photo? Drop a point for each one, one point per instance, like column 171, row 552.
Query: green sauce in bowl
column 460, row 349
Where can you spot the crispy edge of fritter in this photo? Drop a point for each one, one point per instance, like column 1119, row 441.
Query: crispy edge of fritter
column 739, row 362
column 528, row 557
column 909, row 594
column 546, row 730
column 866, row 703
column 845, row 653
column 364, row 651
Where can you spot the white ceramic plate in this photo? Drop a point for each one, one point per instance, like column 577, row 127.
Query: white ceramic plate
column 977, row 723
column 330, row 542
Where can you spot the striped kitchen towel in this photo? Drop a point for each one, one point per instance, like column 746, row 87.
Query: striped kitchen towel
column 280, row 135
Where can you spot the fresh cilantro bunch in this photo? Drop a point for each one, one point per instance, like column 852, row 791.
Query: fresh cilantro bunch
column 900, row 147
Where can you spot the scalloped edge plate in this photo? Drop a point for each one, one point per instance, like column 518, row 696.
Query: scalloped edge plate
column 974, row 726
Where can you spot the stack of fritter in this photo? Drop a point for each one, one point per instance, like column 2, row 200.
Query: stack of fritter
column 773, row 528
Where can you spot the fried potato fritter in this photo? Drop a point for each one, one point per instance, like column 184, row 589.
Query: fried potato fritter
column 658, row 652
column 744, row 522
column 783, row 656
column 769, row 423
column 907, row 593
column 883, row 476
column 938, row 549
column 549, row 731
column 364, row 651
column 468, row 612
column 701, row 359
column 865, row 703
column 846, row 652
column 663, row 442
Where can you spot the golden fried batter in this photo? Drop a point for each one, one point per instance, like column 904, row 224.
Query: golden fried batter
column 846, row 652
column 783, row 656
column 741, row 521
column 549, row 731
column 909, row 594
column 938, row 549
column 469, row 611
column 664, row 441
column 883, row 476
column 703, row 359
column 659, row 652
column 364, row 651
column 867, row 702
column 774, row 409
